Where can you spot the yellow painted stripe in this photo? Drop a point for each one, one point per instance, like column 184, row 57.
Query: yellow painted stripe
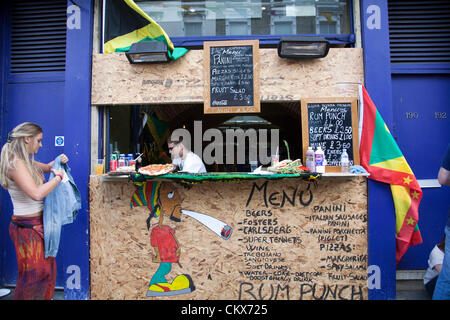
column 402, row 203
column 144, row 191
column 397, row 164
column 155, row 197
column 137, row 199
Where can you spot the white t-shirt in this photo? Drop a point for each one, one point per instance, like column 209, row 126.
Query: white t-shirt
column 436, row 257
column 23, row 204
column 192, row 163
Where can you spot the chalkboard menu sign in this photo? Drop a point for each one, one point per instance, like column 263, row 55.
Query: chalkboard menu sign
column 231, row 76
column 332, row 124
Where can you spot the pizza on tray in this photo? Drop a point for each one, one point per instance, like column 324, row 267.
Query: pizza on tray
column 157, row 169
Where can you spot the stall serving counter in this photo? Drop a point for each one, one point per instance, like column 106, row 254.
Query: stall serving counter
column 238, row 236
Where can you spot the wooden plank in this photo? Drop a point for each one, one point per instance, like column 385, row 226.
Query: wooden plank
column 117, row 82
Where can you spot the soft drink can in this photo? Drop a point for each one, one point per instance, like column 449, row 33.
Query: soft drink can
column 113, row 165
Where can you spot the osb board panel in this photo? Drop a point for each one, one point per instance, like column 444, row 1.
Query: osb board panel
column 116, row 81
column 292, row 249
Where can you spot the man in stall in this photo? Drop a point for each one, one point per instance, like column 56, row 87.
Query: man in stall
column 184, row 158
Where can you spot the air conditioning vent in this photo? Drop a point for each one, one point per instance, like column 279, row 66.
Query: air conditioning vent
column 419, row 31
column 38, row 36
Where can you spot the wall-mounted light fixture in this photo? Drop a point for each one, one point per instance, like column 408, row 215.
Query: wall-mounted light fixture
column 148, row 52
column 303, row 47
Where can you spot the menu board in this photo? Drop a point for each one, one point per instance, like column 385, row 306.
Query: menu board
column 332, row 124
column 231, row 73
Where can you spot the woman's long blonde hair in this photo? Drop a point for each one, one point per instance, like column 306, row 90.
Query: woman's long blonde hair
column 15, row 149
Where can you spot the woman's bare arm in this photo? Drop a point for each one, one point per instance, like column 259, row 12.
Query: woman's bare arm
column 47, row 167
column 24, row 180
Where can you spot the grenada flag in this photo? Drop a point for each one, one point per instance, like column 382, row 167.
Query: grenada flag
column 382, row 158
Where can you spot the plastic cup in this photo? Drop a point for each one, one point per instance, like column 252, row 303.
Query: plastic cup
column 275, row 159
column 99, row 166
column 253, row 165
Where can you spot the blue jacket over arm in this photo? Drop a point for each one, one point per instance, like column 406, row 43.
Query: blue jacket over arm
column 60, row 207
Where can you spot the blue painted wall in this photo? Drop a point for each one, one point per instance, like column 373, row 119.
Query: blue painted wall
column 375, row 43
column 408, row 98
column 421, row 108
column 77, row 115
column 38, row 102
column 3, row 131
column 26, row 97
column 60, row 103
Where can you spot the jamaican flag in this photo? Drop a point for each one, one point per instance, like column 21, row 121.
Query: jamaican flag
column 126, row 24
column 159, row 130
column 153, row 137
column 383, row 159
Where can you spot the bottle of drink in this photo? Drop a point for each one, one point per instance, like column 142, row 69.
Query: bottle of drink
column 138, row 162
column 310, row 162
column 319, row 158
column 130, row 160
column 345, row 163
column 122, row 160
column 116, row 149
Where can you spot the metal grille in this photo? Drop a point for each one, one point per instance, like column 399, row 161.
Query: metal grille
column 38, row 36
column 419, row 31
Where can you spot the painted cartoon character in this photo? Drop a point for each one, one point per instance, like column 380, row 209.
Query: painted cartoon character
column 162, row 199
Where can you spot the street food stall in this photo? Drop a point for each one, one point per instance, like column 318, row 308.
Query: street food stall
column 231, row 234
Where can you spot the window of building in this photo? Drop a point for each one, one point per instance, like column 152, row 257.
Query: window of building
column 189, row 23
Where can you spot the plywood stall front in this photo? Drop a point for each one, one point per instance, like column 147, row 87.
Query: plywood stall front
column 116, row 82
column 289, row 240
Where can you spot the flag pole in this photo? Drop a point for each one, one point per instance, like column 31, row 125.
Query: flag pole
column 361, row 112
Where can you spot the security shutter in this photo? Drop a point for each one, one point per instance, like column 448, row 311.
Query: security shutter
column 419, row 31
column 38, row 36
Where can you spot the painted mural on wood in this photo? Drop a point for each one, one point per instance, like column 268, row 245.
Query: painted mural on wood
column 164, row 199
column 290, row 240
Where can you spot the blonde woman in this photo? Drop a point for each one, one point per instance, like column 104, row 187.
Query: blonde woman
column 23, row 177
